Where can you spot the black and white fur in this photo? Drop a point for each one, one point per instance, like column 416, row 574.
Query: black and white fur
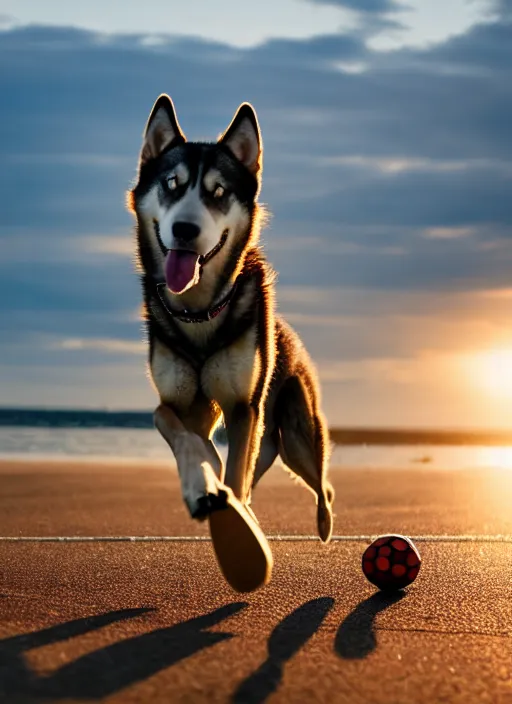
column 246, row 363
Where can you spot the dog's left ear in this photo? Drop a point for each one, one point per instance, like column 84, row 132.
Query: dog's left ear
column 162, row 129
column 243, row 138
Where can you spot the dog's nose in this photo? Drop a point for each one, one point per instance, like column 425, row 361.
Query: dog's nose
column 185, row 231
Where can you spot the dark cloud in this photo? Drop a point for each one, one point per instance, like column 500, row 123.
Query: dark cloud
column 452, row 267
column 486, row 48
column 451, row 199
column 104, row 286
column 6, row 20
column 378, row 15
column 378, row 6
column 318, row 53
column 504, row 8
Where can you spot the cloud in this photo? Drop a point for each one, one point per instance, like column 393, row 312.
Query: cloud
column 7, row 21
column 398, row 165
column 378, row 6
column 101, row 344
column 122, row 246
column 448, row 233
column 388, row 371
column 72, row 385
column 504, row 8
column 231, row 22
column 375, row 16
column 343, row 324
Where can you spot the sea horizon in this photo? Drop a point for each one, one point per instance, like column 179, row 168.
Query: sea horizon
column 47, row 417
column 129, row 436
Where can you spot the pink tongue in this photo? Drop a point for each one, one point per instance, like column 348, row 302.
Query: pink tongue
column 181, row 269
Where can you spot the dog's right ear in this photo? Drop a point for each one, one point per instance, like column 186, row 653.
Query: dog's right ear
column 162, row 130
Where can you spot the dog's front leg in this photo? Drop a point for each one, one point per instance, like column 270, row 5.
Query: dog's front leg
column 202, row 490
column 242, row 425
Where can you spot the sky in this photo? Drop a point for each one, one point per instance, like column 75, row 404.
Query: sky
column 388, row 176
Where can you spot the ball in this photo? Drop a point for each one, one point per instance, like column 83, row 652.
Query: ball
column 391, row 562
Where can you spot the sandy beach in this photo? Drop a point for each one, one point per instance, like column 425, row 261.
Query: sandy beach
column 140, row 622
column 127, row 498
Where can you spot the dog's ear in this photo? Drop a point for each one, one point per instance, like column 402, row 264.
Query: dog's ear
column 243, row 138
column 162, row 130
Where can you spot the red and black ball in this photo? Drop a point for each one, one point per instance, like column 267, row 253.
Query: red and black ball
column 391, row 562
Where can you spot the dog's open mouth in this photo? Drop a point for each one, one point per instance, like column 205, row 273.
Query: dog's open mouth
column 183, row 267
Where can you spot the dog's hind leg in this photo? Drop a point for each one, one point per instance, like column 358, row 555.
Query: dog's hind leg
column 304, row 443
column 269, row 449
column 266, row 458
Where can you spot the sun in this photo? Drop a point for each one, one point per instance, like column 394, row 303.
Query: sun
column 492, row 371
column 496, row 457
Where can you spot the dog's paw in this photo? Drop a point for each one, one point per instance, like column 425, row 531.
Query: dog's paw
column 201, row 507
column 324, row 521
column 202, row 490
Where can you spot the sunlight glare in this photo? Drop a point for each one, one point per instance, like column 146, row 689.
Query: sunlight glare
column 497, row 457
column 493, row 372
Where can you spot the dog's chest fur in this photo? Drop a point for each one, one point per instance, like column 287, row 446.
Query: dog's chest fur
column 227, row 377
column 222, row 358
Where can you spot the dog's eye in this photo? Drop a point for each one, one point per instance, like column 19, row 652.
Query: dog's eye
column 218, row 191
column 172, row 182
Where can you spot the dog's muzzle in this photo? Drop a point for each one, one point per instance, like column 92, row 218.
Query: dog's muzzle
column 203, row 258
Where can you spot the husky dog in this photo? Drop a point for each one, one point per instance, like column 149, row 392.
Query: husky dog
column 216, row 346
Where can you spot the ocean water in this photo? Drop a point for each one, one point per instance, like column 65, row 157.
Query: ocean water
column 135, row 444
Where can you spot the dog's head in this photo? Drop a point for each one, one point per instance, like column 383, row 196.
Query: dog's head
column 195, row 201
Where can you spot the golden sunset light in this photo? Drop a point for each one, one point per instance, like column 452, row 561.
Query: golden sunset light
column 256, row 351
column 498, row 457
column 492, row 372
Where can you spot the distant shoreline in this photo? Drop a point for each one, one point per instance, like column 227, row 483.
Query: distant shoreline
column 61, row 418
column 371, row 436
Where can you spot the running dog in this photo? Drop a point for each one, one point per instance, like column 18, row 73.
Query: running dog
column 216, row 346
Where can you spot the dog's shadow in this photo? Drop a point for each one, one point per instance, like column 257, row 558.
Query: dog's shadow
column 355, row 638
column 110, row 669
column 287, row 638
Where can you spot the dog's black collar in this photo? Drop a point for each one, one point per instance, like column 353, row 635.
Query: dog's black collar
column 202, row 316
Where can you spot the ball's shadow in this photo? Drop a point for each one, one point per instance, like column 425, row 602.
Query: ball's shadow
column 355, row 638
